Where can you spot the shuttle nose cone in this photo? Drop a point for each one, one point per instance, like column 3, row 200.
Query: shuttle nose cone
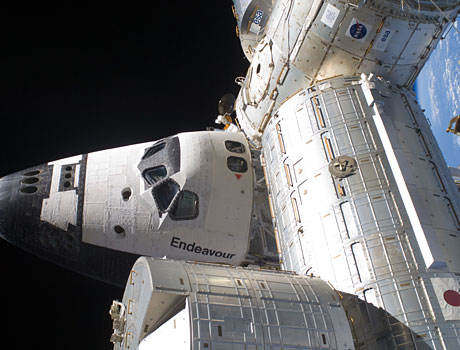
column 5, row 193
column 21, row 196
column 40, row 212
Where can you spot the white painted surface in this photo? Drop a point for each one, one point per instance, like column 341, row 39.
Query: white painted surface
column 107, row 174
column 220, row 232
column 421, row 224
column 358, row 232
column 330, row 15
column 173, row 334
column 441, row 285
column 383, row 39
column 60, row 209
column 229, row 308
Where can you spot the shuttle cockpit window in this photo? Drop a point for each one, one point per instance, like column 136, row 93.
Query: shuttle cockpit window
column 237, row 164
column 164, row 194
column 155, row 174
column 154, row 149
column 234, row 146
column 186, row 206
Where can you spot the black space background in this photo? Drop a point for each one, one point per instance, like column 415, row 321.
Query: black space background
column 76, row 78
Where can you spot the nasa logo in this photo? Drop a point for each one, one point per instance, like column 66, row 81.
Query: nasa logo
column 258, row 17
column 358, row 31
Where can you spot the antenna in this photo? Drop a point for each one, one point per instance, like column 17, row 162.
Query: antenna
column 226, row 104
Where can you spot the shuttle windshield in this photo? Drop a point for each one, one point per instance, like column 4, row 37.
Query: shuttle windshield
column 186, row 207
column 155, row 174
column 164, row 194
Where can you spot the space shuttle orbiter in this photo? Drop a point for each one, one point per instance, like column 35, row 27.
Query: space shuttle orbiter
column 333, row 167
column 191, row 196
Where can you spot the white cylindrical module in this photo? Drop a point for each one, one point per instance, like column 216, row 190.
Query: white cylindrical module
column 177, row 305
column 362, row 197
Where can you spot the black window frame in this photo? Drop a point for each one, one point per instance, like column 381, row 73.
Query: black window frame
column 150, row 180
column 232, row 148
column 234, row 169
column 157, row 147
column 158, row 201
column 176, row 203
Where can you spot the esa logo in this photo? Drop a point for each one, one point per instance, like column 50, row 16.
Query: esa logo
column 258, row 17
column 383, row 39
column 385, row 36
